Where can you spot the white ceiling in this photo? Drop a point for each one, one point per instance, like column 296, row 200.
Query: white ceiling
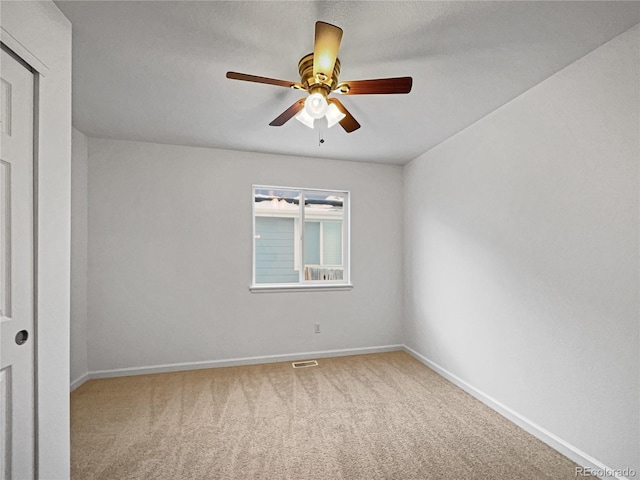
column 155, row 71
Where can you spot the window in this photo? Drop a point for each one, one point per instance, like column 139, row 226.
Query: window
column 300, row 238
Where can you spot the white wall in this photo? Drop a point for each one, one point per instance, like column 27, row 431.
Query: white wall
column 170, row 257
column 43, row 32
column 522, row 254
column 79, row 238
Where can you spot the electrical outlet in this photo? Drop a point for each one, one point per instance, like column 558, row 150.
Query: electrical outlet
column 316, row 327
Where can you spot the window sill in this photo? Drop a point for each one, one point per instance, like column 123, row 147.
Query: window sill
column 299, row 288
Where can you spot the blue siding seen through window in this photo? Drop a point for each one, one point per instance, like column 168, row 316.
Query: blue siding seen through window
column 275, row 250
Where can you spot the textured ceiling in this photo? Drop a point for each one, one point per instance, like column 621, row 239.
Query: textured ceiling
column 155, row 71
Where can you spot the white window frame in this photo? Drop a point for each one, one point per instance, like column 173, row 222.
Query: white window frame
column 303, row 284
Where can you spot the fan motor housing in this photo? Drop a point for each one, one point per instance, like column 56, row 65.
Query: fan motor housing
column 310, row 82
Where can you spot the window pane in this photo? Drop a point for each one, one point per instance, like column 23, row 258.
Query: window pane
column 276, row 212
column 293, row 246
column 327, row 211
column 312, row 243
column 332, row 243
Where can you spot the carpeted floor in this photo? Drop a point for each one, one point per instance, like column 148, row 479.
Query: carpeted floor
column 379, row 416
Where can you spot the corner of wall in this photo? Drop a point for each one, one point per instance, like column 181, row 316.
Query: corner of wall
column 79, row 366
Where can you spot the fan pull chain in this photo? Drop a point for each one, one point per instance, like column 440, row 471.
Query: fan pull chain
column 320, row 137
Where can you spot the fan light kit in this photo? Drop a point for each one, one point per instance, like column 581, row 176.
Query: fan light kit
column 319, row 73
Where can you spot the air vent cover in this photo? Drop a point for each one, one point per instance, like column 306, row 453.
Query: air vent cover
column 307, row 363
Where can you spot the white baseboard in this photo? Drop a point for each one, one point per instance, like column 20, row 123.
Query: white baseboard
column 79, row 381
column 234, row 362
column 555, row 442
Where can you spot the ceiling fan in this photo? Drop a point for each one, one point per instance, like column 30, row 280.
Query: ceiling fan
column 319, row 73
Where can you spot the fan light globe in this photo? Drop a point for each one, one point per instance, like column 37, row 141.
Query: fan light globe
column 305, row 119
column 334, row 115
column 315, row 105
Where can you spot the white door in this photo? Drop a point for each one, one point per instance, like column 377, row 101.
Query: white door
column 16, row 271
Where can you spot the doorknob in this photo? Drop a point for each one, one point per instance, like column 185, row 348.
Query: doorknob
column 21, row 337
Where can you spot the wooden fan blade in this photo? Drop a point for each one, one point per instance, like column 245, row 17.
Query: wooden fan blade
column 376, row 86
column 325, row 50
column 285, row 116
column 254, row 78
column 348, row 122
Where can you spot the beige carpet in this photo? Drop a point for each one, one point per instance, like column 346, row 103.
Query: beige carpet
column 379, row 416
